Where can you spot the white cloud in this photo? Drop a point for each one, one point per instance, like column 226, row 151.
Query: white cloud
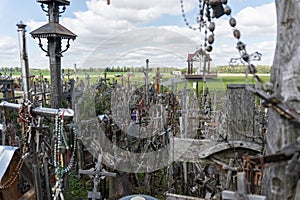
column 8, row 51
column 258, row 31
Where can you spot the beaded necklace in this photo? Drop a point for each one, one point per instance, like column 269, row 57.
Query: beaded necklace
column 61, row 142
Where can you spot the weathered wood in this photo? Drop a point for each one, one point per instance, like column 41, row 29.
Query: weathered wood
column 170, row 196
column 285, row 77
column 242, row 192
column 193, row 150
column 297, row 197
column 30, row 195
column 229, row 195
column 240, row 109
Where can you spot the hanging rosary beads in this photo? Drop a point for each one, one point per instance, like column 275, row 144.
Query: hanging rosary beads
column 208, row 9
column 61, row 145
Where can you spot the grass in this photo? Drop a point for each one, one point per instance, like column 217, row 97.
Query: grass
column 138, row 79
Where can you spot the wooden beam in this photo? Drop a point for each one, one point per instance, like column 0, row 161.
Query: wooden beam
column 170, row 196
column 29, row 195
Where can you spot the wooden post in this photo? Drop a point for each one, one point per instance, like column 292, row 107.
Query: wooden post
column 279, row 183
column 240, row 112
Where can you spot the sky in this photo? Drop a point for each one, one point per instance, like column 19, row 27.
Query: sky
column 127, row 32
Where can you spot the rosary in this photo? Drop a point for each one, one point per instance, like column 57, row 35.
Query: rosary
column 61, row 148
column 209, row 9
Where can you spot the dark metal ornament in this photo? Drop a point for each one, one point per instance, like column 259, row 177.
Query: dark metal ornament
column 214, row 2
column 246, row 57
column 240, row 46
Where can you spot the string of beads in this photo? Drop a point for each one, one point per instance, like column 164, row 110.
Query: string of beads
column 208, row 9
column 60, row 143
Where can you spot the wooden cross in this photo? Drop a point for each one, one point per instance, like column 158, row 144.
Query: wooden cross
column 157, row 80
column 98, row 173
column 105, row 78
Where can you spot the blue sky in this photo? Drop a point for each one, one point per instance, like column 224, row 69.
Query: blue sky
column 128, row 32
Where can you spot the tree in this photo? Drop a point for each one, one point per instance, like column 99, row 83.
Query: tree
column 280, row 183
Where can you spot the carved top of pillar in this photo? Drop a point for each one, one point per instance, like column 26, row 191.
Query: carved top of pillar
column 59, row 2
column 53, row 29
column 20, row 25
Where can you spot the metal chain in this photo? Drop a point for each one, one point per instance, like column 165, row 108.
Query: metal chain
column 199, row 18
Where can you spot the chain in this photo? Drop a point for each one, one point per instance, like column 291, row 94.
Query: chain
column 199, row 18
column 25, row 118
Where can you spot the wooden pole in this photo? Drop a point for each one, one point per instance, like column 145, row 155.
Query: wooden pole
column 280, row 183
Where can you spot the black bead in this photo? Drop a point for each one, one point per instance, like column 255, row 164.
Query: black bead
column 227, row 10
column 237, row 34
column 209, row 48
column 211, row 39
column 232, row 22
column 212, row 26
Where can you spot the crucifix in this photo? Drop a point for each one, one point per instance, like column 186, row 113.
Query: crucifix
column 97, row 174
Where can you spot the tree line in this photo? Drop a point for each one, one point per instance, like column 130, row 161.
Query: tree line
column 262, row 69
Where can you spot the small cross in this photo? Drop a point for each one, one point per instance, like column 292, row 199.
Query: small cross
column 98, row 173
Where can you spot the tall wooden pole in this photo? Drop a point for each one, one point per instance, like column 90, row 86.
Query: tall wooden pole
column 54, row 49
column 280, row 183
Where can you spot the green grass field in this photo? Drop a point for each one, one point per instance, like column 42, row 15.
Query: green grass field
column 219, row 83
